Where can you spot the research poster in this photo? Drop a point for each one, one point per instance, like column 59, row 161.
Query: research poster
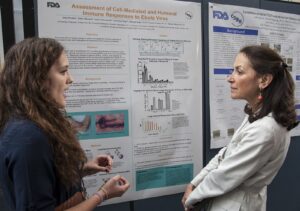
column 1, row 44
column 137, row 90
column 231, row 28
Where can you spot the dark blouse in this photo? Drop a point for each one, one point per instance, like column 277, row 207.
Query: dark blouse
column 27, row 171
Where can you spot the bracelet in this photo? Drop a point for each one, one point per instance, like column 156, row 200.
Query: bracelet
column 105, row 192
column 99, row 196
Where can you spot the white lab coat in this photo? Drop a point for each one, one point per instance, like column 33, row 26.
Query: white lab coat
column 237, row 177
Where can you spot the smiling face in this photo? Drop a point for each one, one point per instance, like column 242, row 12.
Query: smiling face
column 59, row 80
column 244, row 82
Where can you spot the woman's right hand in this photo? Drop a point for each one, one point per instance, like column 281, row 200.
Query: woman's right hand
column 115, row 187
column 188, row 190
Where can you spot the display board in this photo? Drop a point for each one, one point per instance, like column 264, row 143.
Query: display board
column 231, row 28
column 137, row 91
column 1, row 44
column 295, row 1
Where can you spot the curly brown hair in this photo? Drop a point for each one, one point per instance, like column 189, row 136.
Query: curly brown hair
column 279, row 95
column 24, row 93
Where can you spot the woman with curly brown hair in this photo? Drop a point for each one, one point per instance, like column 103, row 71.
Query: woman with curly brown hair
column 41, row 161
column 238, row 176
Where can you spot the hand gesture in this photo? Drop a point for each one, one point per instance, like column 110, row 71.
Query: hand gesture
column 115, row 187
column 100, row 163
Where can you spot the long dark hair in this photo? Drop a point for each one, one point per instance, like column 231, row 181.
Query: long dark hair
column 24, row 93
column 278, row 96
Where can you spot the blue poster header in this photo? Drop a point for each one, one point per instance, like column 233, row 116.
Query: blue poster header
column 235, row 30
column 222, row 71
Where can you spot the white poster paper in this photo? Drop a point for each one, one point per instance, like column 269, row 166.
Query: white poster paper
column 230, row 28
column 137, row 91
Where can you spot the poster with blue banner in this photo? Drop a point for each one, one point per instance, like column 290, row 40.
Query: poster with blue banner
column 230, row 28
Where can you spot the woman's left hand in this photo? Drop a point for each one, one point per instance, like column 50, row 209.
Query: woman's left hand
column 100, row 163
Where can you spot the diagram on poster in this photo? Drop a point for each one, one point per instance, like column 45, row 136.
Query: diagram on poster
column 137, row 92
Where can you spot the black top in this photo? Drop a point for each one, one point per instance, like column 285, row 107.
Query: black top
column 27, row 171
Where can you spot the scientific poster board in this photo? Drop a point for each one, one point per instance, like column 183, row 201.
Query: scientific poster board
column 1, row 45
column 231, row 28
column 137, row 94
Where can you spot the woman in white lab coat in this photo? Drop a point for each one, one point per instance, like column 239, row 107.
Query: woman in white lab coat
column 236, row 179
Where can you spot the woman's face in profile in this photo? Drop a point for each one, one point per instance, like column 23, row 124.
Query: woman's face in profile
column 243, row 80
column 59, row 80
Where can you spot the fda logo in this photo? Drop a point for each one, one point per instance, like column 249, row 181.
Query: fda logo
column 237, row 18
column 53, row 4
column 220, row 15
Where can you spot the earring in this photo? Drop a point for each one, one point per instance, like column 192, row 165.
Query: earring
column 260, row 97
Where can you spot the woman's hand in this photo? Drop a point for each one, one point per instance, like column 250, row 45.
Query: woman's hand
column 115, row 187
column 188, row 190
column 100, row 163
